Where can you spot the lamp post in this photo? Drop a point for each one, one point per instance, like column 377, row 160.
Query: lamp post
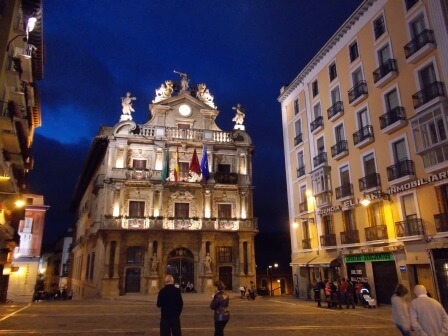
column 31, row 23
column 269, row 275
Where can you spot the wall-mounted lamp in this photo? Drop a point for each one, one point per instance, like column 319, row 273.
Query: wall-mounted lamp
column 364, row 201
column 31, row 23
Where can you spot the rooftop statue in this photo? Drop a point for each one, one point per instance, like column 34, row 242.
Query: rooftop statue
column 239, row 117
column 126, row 103
column 164, row 91
column 204, row 95
column 185, row 81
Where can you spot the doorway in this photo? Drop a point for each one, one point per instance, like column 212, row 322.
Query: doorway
column 132, row 283
column 181, row 266
column 385, row 277
column 225, row 275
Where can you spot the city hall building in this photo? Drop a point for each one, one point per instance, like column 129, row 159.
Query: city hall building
column 365, row 127
column 173, row 195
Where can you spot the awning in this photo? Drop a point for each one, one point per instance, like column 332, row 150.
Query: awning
column 300, row 261
column 326, row 261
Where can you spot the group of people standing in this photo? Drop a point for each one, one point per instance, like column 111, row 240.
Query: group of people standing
column 338, row 293
column 170, row 301
column 424, row 315
column 251, row 292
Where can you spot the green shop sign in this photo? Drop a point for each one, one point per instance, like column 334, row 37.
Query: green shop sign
column 387, row 256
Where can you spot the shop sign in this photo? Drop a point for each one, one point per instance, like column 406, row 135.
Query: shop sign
column 330, row 210
column 418, row 183
column 372, row 257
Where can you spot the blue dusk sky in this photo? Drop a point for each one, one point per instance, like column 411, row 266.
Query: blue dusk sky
column 244, row 51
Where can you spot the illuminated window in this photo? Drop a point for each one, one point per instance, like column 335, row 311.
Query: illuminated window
column 224, row 254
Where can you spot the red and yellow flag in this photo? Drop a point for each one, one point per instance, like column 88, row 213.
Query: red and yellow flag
column 176, row 166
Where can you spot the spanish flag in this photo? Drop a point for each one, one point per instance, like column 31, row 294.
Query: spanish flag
column 176, row 166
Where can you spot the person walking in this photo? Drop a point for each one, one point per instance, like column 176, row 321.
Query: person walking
column 170, row 301
column 220, row 304
column 428, row 318
column 400, row 310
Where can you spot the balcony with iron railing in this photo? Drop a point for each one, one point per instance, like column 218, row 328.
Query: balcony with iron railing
column 335, row 111
column 303, row 207
column 393, row 120
column 226, row 178
column 317, row 124
column 435, row 90
column 300, row 171
column 409, row 227
column 441, row 222
column 363, row 137
column 328, row 239
column 404, row 168
column 344, row 191
column 320, row 158
column 298, row 139
column 369, row 182
column 339, row 150
column 385, row 73
column 419, row 46
column 357, row 93
column 306, row 243
column 378, row 232
column 350, row 237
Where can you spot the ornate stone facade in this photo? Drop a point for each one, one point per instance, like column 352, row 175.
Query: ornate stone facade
column 145, row 208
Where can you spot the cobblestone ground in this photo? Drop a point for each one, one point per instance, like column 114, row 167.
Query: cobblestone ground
column 137, row 315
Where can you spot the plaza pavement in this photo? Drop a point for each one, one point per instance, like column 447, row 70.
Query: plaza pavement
column 136, row 315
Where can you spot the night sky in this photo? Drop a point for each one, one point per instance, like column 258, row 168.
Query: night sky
column 244, row 51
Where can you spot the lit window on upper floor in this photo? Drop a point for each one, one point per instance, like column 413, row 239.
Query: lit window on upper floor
column 315, row 88
column 332, row 71
column 353, row 51
column 296, row 106
column 379, row 27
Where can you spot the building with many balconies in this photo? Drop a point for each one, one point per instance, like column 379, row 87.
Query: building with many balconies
column 382, row 142
column 146, row 207
column 20, row 113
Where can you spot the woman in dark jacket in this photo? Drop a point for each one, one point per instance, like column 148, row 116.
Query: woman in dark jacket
column 220, row 304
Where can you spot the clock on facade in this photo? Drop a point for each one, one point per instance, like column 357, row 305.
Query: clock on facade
column 184, row 110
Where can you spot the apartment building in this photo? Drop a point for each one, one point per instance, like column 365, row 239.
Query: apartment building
column 21, row 66
column 146, row 207
column 365, row 136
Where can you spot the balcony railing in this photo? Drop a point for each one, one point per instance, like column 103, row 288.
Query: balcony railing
column 328, row 240
column 378, row 232
column 337, row 108
column 384, row 69
column 339, row 148
column 320, row 159
column 306, row 243
column 316, row 123
column 430, row 92
column 303, row 207
column 363, row 134
column 226, row 178
column 441, row 222
column 138, row 174
column 422, row 39
column 344, row 190
column 186, row 134
column 400, row 169
column 409, row 227
column 357, row 91
column 171, row 223
column 369, row 181
column 298, row 139
column 300, row 171
column 392, row 116
column 350, row 237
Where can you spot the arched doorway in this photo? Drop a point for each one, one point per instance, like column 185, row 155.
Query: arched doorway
column 180, row 265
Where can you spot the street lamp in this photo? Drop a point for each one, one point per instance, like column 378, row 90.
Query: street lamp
column 269, row 275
